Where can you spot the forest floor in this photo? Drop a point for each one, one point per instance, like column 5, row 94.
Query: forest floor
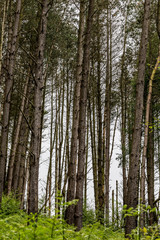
column 15, row 227
column 15, row 224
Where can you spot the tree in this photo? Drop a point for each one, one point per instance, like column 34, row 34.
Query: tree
column 82, row 117
column 133, row 176
column 107, row 114
column 7, row 97
column 15, row 141
column 37, row 114
column 69, row 215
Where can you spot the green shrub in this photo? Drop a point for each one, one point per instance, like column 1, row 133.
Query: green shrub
column 89, row 216
column 10, row 205
column 17, row 225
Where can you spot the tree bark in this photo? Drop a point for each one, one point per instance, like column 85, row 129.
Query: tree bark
column 99, row 132
column 16, row 139
column 86, row 166
column 82, row 117
column 52, row 141
column 56, row 150
column 5, row 9
column 133, row 177
column 107, row 120
column 69, row 214
column 150, row 169
column 123, row 112
column 7, row 99
column 143, row 166
column 20, row 159
column 117, row 206
column 93, row 149
column 38, row 97
column 113, row 220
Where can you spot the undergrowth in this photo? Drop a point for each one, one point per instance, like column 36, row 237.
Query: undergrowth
column 16, row 225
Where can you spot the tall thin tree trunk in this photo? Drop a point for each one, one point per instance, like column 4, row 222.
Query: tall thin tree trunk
column 19, row 164
column 7, row 99
column 38, row 97
column 150, row 168
column 93, row 147
column 86, row 165
column 69, row 215
column 133, row 177
column 113, row 219
column 16, row 138
column 123, row 112
column 143, row 166
column 67, row 135
column 5, row 9
column 82, row 117
column 51, row 151
column 60, row 161
column 107, row 121
column 150, row 159
column 117, row 206
column 99, row 132
column 56, row 151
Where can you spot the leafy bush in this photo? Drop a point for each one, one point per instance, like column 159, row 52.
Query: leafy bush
column 17, row 225
column 10, row 205
column 89, row 216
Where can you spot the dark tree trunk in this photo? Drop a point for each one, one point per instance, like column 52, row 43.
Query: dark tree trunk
column 99, row 128
column 7, row 98
column 150, row 169
column 69, row 214
column 133, row 177
column 37, row 115
column 10, row 178
column 20, row 161
column 123, row 90
column 82, row 118
column 107, row 118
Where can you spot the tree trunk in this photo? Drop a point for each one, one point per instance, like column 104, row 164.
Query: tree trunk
column 93, row 149
column 117, row 205
column 56, row 150
column 5, row 9
column 150, row 169
column 67, row 135
column 133, row 177
column 99, row 133
column 86, row 165
column 107, row 121
column 113, row 209
column 60, row 167
column 7, row 99
column 123, row 112
column 52, row 140
column 16, row 139
column 149, row 99
column 38, row 97
column 20, row 160
column 69, row 215
column 82, row 117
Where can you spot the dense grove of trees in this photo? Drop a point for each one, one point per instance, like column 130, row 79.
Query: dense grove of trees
column 81, row 71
